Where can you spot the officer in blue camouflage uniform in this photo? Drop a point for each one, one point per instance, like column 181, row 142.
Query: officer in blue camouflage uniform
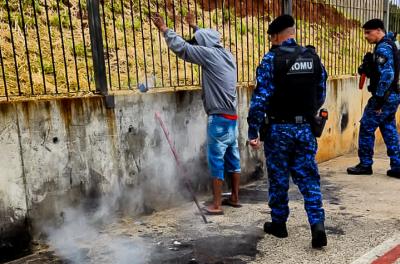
column 382, row 67
column 291, row 87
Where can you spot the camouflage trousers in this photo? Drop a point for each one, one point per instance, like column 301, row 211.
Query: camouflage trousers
column 290, row 150
column 386, row 122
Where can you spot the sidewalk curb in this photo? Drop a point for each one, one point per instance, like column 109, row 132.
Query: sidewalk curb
column 378, row 254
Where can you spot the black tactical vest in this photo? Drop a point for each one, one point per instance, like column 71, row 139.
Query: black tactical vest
column 297, row 74
column 375, row 74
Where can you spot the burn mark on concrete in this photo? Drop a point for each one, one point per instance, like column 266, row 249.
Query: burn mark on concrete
column 223, row 249
column 344, row 119
column 254, row 194
column 334, row 230
column 258, row 192
column 212, row 249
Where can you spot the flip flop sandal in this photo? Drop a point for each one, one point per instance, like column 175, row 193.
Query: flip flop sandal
column 207, row 203
column 207, row 212
column 228, row 202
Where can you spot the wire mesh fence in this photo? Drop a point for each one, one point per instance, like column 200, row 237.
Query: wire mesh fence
column 45, row 46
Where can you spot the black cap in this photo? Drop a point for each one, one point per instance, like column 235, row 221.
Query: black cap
column 280, row 24
column 374, row 24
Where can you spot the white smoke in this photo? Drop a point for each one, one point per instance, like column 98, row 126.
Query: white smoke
column 80, row 237
column 79, row 241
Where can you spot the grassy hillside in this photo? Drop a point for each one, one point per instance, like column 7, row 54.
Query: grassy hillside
column 136, row 52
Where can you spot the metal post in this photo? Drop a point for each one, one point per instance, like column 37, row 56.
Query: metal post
column 287, row 7
column 386, row 13
column 96, row 40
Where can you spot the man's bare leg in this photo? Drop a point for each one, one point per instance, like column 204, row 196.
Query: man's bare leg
column 235, row 187
column 233, row 200
column 215, row 207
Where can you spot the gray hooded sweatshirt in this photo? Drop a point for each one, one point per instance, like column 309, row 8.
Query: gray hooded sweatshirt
column 218, row 68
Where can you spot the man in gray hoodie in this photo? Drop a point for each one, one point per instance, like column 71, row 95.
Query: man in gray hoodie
column 219, row 100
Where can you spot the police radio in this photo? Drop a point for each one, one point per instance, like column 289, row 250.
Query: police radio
column 319, row 122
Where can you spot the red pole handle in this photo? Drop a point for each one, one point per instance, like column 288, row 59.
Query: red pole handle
column 362, row 81
column 185, row 177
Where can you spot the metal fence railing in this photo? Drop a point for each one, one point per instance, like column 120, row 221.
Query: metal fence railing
column 137, row 53
column 44, row 48
column 334, row 27
column 45, row 45
column 394, row 16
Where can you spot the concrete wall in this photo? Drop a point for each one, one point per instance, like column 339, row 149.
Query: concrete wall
column 68, row 151
column 345, row 103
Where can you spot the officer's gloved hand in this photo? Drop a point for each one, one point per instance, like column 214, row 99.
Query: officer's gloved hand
column 366, row 66
column 361, row 69
column 368, row 57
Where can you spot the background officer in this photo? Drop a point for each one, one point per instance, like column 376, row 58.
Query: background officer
column 383, row 70
column 291, row 87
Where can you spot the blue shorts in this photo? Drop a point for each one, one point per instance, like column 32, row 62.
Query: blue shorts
column 222, row 146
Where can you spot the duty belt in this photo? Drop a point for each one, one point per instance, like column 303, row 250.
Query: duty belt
column 288, row 120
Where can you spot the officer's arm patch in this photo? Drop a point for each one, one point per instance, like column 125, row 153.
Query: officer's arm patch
column 380, row 59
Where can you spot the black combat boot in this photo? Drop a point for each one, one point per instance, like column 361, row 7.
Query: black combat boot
column 360, row 169
column 276, row 229
column 318, row 235
column 395, row 173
